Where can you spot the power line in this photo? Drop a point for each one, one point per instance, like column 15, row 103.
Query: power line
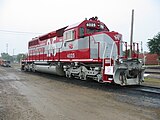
column 19, row 32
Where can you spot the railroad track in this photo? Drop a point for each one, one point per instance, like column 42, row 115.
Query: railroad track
column 148, row 89
column 150, row 72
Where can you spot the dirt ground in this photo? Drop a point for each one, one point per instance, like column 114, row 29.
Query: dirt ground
column 36, row 96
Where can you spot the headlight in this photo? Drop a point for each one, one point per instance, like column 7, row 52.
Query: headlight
column 91, row 25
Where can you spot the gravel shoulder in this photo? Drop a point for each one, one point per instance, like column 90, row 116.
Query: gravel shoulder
column 29, row 96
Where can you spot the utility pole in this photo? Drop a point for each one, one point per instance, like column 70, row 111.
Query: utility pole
column 13, row 56
column 13, row 52
column 141, row 47
column 131, row 37
column 7, row 48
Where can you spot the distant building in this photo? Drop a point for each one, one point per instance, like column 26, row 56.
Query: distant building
column 150, row 59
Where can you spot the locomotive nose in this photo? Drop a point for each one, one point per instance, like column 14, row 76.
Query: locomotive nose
column 129, row 73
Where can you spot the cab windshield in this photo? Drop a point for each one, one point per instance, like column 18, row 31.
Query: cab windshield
column 91, row 30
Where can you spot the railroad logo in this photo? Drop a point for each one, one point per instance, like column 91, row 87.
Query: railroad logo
column 70, row 46
column 71, row 55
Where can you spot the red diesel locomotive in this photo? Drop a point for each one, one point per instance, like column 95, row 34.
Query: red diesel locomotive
column 85, row 50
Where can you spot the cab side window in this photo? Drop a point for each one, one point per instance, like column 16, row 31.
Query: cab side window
column 69, row 35
column 81, row 32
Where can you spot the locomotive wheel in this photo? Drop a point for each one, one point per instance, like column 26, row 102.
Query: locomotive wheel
column 122, row 78
column 22, row 67
column 99, row 78
column 68, row 74
column 82, row 76
column 25, row 69
column 33, row 68
column 139, row 79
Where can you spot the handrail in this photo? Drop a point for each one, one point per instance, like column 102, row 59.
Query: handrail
column 104, row 54
column 96, row 43
column 111, row 52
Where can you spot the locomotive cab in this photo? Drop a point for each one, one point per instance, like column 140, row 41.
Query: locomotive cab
column 91, row 26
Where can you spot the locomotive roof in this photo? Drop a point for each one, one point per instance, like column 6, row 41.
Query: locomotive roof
column 73, row 25
column 93, row 19
column 59, row 32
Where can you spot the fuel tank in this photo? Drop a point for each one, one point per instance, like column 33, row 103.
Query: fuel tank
column 51, row 69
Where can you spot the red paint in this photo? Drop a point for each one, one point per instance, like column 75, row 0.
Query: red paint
column 60, row 51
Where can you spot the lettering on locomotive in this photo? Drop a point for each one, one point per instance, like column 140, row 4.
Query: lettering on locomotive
column 85, row 50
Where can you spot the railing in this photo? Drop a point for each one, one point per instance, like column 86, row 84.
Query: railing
column 135, row 50
column 111, row 52
column 95, row 42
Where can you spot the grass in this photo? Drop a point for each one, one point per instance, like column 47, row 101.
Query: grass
column 152, row 81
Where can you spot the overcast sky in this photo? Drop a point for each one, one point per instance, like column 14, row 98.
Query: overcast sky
column 38, row 17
